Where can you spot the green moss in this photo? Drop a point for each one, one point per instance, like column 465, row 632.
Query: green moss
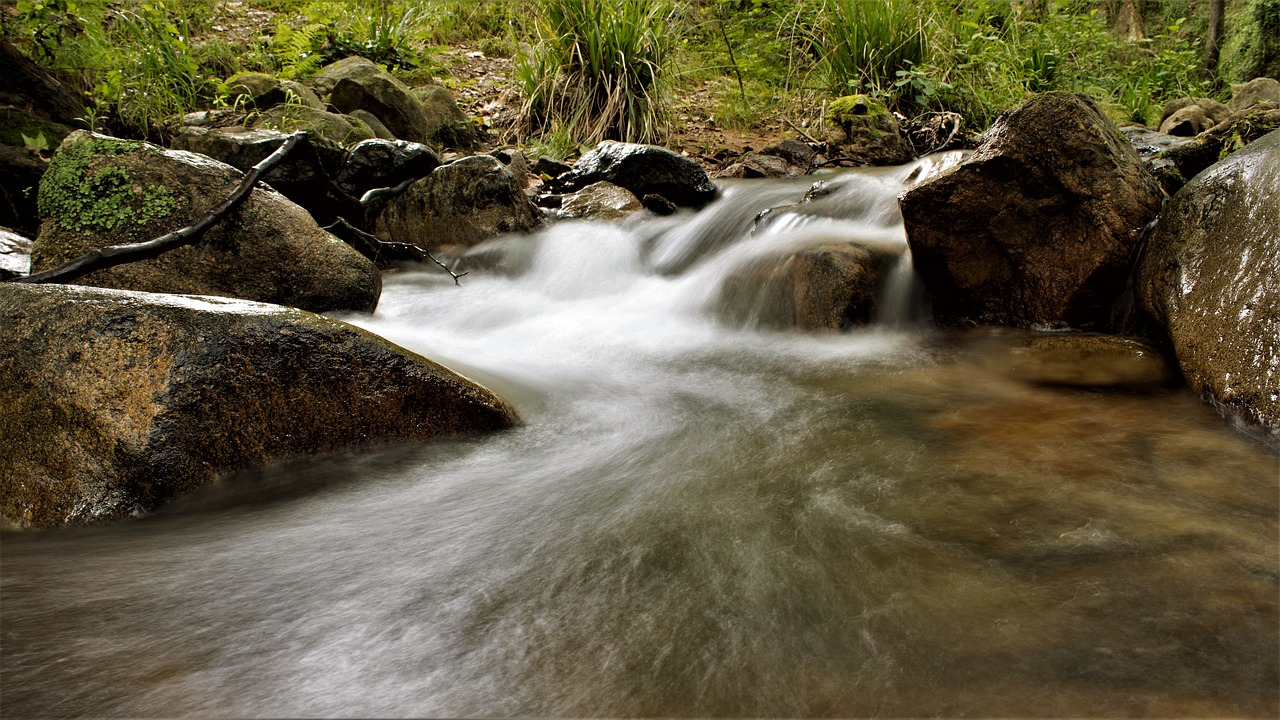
column 15, row 123
column 844, row 110
column 84, row 198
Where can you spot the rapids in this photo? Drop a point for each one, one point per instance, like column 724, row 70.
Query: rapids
column 697, row 517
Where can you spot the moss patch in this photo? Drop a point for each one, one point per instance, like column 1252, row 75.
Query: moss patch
column 14, row 124
column 81, row 196
column 844, row 110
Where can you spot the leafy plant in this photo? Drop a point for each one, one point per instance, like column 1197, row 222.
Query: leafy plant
column 865, row 43
column 598, row 68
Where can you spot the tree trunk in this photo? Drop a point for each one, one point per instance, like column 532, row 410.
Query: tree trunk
column 1128, row 22
column 1213, row 42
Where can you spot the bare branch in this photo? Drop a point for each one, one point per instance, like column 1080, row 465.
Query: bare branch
column 381, row 251
column 113, row 255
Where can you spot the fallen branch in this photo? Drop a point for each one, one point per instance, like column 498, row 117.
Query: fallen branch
column 113, row 255
column 804, row 134
column 381, row 251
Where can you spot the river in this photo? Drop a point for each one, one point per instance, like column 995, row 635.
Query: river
column 700, row 515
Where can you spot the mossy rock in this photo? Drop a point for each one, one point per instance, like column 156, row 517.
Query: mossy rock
column 342, row 129
column 103, row 191
column 15, row 123
column 112, row 402
column 863, row 129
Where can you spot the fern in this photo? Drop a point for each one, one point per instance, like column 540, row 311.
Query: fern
column 299, row 50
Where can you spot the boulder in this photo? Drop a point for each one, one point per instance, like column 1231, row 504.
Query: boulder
column 15, row 254
column 1209, row 277
column 1207, row 148
column 644, row 170
column 341, row 129
column 786, row 159
column 1212, row 111
column 365, row 86
column 517, row 163
column 329, row 75
column 600, row 201
column 378, row 163
column 249, row 85
column 1149, row 142
column 102, row 191
column 297, row 177
column 1186, row 122
column 1038, row 226
column 1254, row 92
column 829, row 285
column 462, row 203
column 450, row 126
column 550, row 168
column 863, row 130
column 112, row 402
column 380, row 131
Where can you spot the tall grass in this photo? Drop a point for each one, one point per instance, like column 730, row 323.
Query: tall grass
column 598, row 68
column 864, row 44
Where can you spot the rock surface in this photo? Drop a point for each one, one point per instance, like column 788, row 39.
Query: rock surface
column 786, row 159
column 1254, row 92
column 644, row 170
column 102, row 191
column 1038, row 226
column 1076, row 360
column 462, row 203
column 1209, row 274
column 830, row 285
column 15, row 254
column 365, row 86
column 1210, row 146
column 600, row 201
column 341, row 129
column 373, row 164
column 113, row 402
column 864, row 131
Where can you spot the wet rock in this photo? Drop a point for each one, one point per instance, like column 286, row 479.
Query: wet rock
column 296, row 177
column 113, row 402
column 341, row 129
column 1076, row 360
column 1253, row 93
column 644, row 170
column 462, row 203
column 15, row 254
column 365, row 86
column 1209, row 276
column 863, row 130
column 600, row 201
column 830, row 285
column 1149, row 142
column 1038, row 226
column 102, row 191
column 379, row 163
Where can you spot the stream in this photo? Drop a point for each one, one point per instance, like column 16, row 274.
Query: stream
column 701, row 515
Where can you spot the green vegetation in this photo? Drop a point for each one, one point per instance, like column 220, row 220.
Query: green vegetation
column 591, row 69
column 88, row 199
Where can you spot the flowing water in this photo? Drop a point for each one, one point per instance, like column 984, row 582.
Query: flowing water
column 699, row 516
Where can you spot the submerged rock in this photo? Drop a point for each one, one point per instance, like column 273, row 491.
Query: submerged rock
column 1209, row 275
column 1075, row 360
column 830, row 285
column 644, row 170
column 112, row 402
column 1038, row 226
column 102, row 191
column 462, row 203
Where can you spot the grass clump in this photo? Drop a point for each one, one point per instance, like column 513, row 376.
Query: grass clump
column 598, row 68
column 864, row 44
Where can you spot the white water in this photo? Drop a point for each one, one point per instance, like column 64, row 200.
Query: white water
column 694, row 519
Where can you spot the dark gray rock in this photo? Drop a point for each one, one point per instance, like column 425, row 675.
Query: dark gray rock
column 786, row 159
column 1209, row 277
column 1039, row 225
column 113, row 402
column 644, row 170
column 102, row 191
column 462, row 203
column 384, row 163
